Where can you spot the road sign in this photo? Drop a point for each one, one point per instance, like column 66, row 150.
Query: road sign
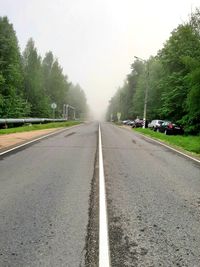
column 53, row 105
column 118, row 115
column 111, row 117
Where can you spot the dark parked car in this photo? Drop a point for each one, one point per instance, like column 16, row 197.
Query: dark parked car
column 155, row 124
column 168, row 127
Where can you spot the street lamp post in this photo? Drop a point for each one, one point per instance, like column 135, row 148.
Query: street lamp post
column 74, row 114
column 64, row 111
column 146, row 89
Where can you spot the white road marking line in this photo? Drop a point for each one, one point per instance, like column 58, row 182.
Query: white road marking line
column 171, row 148
column 104, row 257
column 35, row 140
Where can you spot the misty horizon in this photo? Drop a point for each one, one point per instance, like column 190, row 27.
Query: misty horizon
column 96, row 41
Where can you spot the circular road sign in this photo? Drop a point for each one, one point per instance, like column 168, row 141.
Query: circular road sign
column 53, row 106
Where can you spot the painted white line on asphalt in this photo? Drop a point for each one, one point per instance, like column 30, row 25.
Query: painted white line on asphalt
column 35, row 140
column 185, row 155
column 104, row 257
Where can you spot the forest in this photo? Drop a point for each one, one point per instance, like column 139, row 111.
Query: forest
column 30, row 83
column 172, row 79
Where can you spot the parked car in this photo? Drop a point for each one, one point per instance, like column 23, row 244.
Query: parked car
column 130, row 123
column 168, row 127
column 137, row 123
column 125, row 122
column 155, row 124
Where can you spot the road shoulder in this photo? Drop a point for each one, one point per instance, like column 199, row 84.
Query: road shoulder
column 8, row 141
column 161, row 142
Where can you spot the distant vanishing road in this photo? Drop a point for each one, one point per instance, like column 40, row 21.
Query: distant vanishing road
column 49, row 208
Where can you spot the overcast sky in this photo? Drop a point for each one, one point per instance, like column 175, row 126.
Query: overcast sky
column 96, row 40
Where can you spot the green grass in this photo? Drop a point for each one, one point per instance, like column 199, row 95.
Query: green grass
column 189, row 143
column 38, row 127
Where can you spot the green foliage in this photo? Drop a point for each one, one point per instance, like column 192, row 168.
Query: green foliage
column 14, row 107
column 12, row 103
column 28, row 84
column 172, row 79
column 192, row 103
column 122, row 101
column 56, row 84
column 77, row 99
column 189, row 143
column 58, row 87
column 34, row 127
column 33, row 82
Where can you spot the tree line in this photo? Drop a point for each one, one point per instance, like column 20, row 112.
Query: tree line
column 30, row 83
column 172, row 78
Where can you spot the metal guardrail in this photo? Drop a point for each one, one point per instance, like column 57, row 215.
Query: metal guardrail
column 29, row 120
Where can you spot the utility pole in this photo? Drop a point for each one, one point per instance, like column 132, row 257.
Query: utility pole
column 146, row 94
column 67, row 112
column 64, row 111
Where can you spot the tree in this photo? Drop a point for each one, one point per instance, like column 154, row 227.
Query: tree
column 33, row 82
column 192, row 79
column 182, row 43
column 76, row 98
column 12, row 103
column 28, row 84
column 173, row 81
column 47, row 65
column 57, row 86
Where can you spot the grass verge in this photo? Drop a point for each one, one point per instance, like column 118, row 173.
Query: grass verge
column 189, row 143
column 33, row 127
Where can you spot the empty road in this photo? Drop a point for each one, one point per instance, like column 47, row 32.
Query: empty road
column 49, row 201
column 153, row 197
column 45, row 200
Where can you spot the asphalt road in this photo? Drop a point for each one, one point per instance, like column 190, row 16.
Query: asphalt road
column 45, row 200
column 49, row 202
column 153, row 197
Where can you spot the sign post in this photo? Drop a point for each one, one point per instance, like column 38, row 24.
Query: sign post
column 111, row 117
column 118, row 116
column 53, row 106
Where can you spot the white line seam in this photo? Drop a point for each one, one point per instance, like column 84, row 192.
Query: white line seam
column 104, row 257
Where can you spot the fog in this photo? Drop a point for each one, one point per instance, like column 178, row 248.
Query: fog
column 96, row 40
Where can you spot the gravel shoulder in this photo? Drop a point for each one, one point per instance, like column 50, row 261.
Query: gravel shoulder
column 11, row 140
